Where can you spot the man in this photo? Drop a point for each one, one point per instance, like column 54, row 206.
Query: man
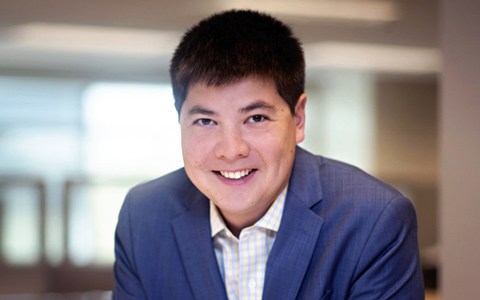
column 251, row 215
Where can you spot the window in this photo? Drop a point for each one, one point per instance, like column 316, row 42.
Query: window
column 69, row 152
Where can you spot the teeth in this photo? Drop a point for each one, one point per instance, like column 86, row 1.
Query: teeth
column 236, row 175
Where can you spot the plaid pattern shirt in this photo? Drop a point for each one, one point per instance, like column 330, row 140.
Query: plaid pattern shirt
column 243, row 261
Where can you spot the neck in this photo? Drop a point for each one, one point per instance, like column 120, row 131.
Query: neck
column 237, row 223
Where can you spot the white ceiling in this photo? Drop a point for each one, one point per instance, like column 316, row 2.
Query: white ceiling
column 415, row 26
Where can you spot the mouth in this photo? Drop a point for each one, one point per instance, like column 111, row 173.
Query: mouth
column 237, row 174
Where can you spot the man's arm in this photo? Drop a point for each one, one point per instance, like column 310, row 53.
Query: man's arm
column 389, row 267
column 127, row 283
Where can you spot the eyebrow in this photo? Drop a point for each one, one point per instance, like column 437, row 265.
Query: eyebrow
column 200, row 110
column 257, row 105
column 197, row 109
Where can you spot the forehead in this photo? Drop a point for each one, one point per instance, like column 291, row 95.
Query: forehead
column 237, row 93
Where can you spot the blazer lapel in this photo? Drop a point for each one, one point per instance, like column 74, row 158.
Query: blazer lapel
column 298, row 233
column 192, row 233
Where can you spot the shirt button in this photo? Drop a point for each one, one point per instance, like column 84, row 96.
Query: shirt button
column 252, row 283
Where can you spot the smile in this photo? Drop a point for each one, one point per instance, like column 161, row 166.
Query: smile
column 236, row 175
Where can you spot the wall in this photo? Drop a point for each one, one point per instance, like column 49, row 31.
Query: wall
column 406, row 146
column 460, row 149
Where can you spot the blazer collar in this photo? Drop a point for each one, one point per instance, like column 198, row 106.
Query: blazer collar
column 305, row 181
column 192, row 233
column 299, row 231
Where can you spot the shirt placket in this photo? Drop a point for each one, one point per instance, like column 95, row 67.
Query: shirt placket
column 231, row 263
column 249, row 279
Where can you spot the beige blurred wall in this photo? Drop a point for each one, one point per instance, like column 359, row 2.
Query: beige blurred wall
column 406, row 147
column 460, row 150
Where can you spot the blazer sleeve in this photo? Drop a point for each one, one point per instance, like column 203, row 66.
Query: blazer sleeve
column 127, row 283
column 389, row 266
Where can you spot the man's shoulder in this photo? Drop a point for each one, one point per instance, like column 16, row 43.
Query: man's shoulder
column 171, row 183
column 343, row 173
column 169, row 193
column 346, row 194
column 338, row 179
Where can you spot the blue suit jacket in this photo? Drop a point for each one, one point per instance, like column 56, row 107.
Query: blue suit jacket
column 343, row 235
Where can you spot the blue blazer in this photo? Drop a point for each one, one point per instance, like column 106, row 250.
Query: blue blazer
column 343, row 235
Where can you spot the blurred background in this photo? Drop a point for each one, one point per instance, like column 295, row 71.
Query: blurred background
column 86, row 112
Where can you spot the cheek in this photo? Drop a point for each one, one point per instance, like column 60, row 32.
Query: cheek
column 188, row 153
column 279, row 140
column 195, row 153
column 284, row 149
column 275, row 148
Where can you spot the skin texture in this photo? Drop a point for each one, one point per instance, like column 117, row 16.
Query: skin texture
column 240, row 127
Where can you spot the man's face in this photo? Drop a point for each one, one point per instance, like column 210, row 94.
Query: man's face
column 238, row 144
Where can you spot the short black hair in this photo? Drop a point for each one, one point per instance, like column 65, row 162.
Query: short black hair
column 235, row 44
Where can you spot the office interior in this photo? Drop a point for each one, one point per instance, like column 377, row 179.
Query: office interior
column 86, row 112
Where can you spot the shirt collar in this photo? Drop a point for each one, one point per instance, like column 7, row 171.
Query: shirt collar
column 216, row 221
column 271, row 220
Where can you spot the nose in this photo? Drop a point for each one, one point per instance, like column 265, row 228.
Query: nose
column 231, row 144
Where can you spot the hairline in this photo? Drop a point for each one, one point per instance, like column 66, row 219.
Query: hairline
column 234, row 80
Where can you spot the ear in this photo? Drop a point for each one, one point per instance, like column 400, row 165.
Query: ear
column 300, row 118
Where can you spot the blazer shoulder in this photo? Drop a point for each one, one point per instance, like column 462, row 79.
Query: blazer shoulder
column 170, row 194
column 316, row 178
column 173, row 182
column 352, row 180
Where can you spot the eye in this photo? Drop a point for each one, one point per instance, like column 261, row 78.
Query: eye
column 204, row 122
column 257, row 119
